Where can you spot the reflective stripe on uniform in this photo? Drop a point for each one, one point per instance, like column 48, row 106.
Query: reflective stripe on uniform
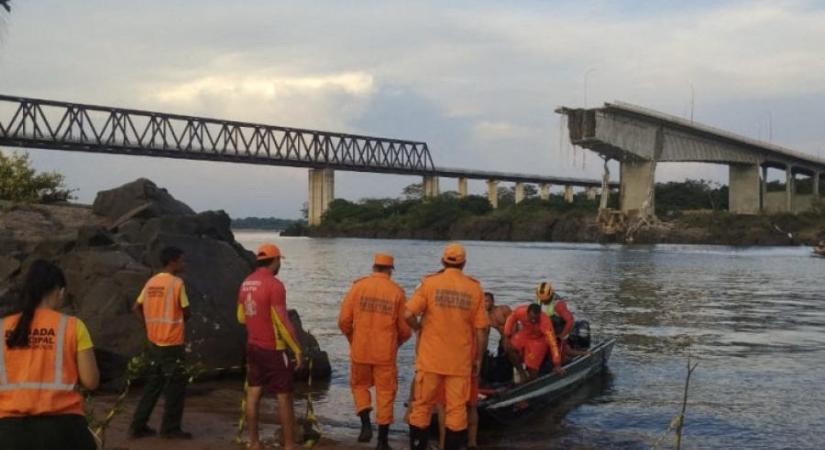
column 56, row 385
column 58, row 354
column 164, row 320
column 37, row 387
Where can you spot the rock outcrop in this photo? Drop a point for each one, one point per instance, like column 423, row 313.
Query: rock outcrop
column 108, row 252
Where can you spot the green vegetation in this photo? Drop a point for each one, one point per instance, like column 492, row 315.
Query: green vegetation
column 674, row 197
column 19, row 182
column 263, row 223
column 693, row 211
column 449, row 217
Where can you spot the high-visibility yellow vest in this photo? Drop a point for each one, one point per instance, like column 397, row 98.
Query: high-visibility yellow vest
column 549, row 308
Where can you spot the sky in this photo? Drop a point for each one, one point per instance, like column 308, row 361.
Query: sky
column 477, row 80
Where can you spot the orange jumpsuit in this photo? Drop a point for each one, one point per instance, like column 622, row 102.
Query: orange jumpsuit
column 452, row 306
column 372, row 319
column 532, row 340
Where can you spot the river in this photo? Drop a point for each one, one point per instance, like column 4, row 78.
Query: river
column 752, row 318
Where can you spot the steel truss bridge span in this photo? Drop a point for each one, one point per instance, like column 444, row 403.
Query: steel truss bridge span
column 47, row 124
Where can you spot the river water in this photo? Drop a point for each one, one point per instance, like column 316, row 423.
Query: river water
column 754, row 320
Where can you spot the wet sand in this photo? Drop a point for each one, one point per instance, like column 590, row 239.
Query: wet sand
column 211, row 415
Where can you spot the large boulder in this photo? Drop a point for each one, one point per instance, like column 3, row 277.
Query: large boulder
column 314, row 358
column 140, row 197
column 109, row 251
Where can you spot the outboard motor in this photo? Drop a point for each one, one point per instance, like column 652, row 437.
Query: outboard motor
column 580, row 335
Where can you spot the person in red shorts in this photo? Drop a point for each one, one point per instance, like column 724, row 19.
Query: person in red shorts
column 529, row 344
column 262, row 308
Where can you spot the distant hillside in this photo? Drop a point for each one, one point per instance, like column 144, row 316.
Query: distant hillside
column 262, row 223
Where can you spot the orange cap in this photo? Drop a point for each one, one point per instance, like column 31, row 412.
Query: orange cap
column 268, row 251
column 383, row 259
column 454, row 254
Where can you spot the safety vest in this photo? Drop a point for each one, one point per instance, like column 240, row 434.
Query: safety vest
column 41, row 378
column 549, row 308
column 162, row 311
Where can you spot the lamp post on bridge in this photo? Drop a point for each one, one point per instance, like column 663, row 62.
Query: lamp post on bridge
column 586, row 79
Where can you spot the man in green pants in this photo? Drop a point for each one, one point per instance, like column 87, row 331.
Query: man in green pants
column 163, row 306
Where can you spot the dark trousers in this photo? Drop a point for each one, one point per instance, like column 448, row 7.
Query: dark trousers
column 165, row 375
column 46, row 433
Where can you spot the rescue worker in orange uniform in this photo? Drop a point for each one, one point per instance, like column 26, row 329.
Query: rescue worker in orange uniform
column 262, row 308
column 529, row 343
column 565, row 350
column 43, row 357
column 372, row 319
column 454, row 323
column 472, row 411
column 555, row 308
column 163, row 306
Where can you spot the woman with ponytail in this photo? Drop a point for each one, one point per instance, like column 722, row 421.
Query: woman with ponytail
column 45, row 354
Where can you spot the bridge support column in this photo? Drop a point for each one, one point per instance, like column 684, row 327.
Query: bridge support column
column 544, row 191
column 743, row 188
column 321, row 193
column 763, row 204
column 519, row 193
column 430, row 186
column 790, row 189
column 636, row 187
column 462, row 187
column 492, row 192
column 817, row 176
column 591, row 193
column 568, row 194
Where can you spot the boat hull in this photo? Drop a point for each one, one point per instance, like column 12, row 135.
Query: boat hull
column 541, row 393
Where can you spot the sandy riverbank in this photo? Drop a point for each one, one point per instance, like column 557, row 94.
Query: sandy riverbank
column 211, row 415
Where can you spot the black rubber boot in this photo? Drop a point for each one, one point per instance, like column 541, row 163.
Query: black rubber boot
column 418, row 438
column 366, row 426
column 383, row 438
column 455, row 440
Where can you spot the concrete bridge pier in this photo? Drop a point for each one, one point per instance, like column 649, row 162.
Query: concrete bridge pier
column 778, row 201
column 492, row 192
column 744, row 189
column 430, row 186
column 790, row 188
column 544, row 191
column 568, row 194
column 817, row 176
column 591, row 193
column 321, row 193
column 519, row 194
column 636, row 186
column 763, row 186
column 462, row 187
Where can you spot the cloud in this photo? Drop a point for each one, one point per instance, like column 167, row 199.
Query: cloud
column 477, row 80
column 489, row 130
column 263, row 87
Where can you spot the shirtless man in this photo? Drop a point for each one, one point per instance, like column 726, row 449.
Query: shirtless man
column 497, row 314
